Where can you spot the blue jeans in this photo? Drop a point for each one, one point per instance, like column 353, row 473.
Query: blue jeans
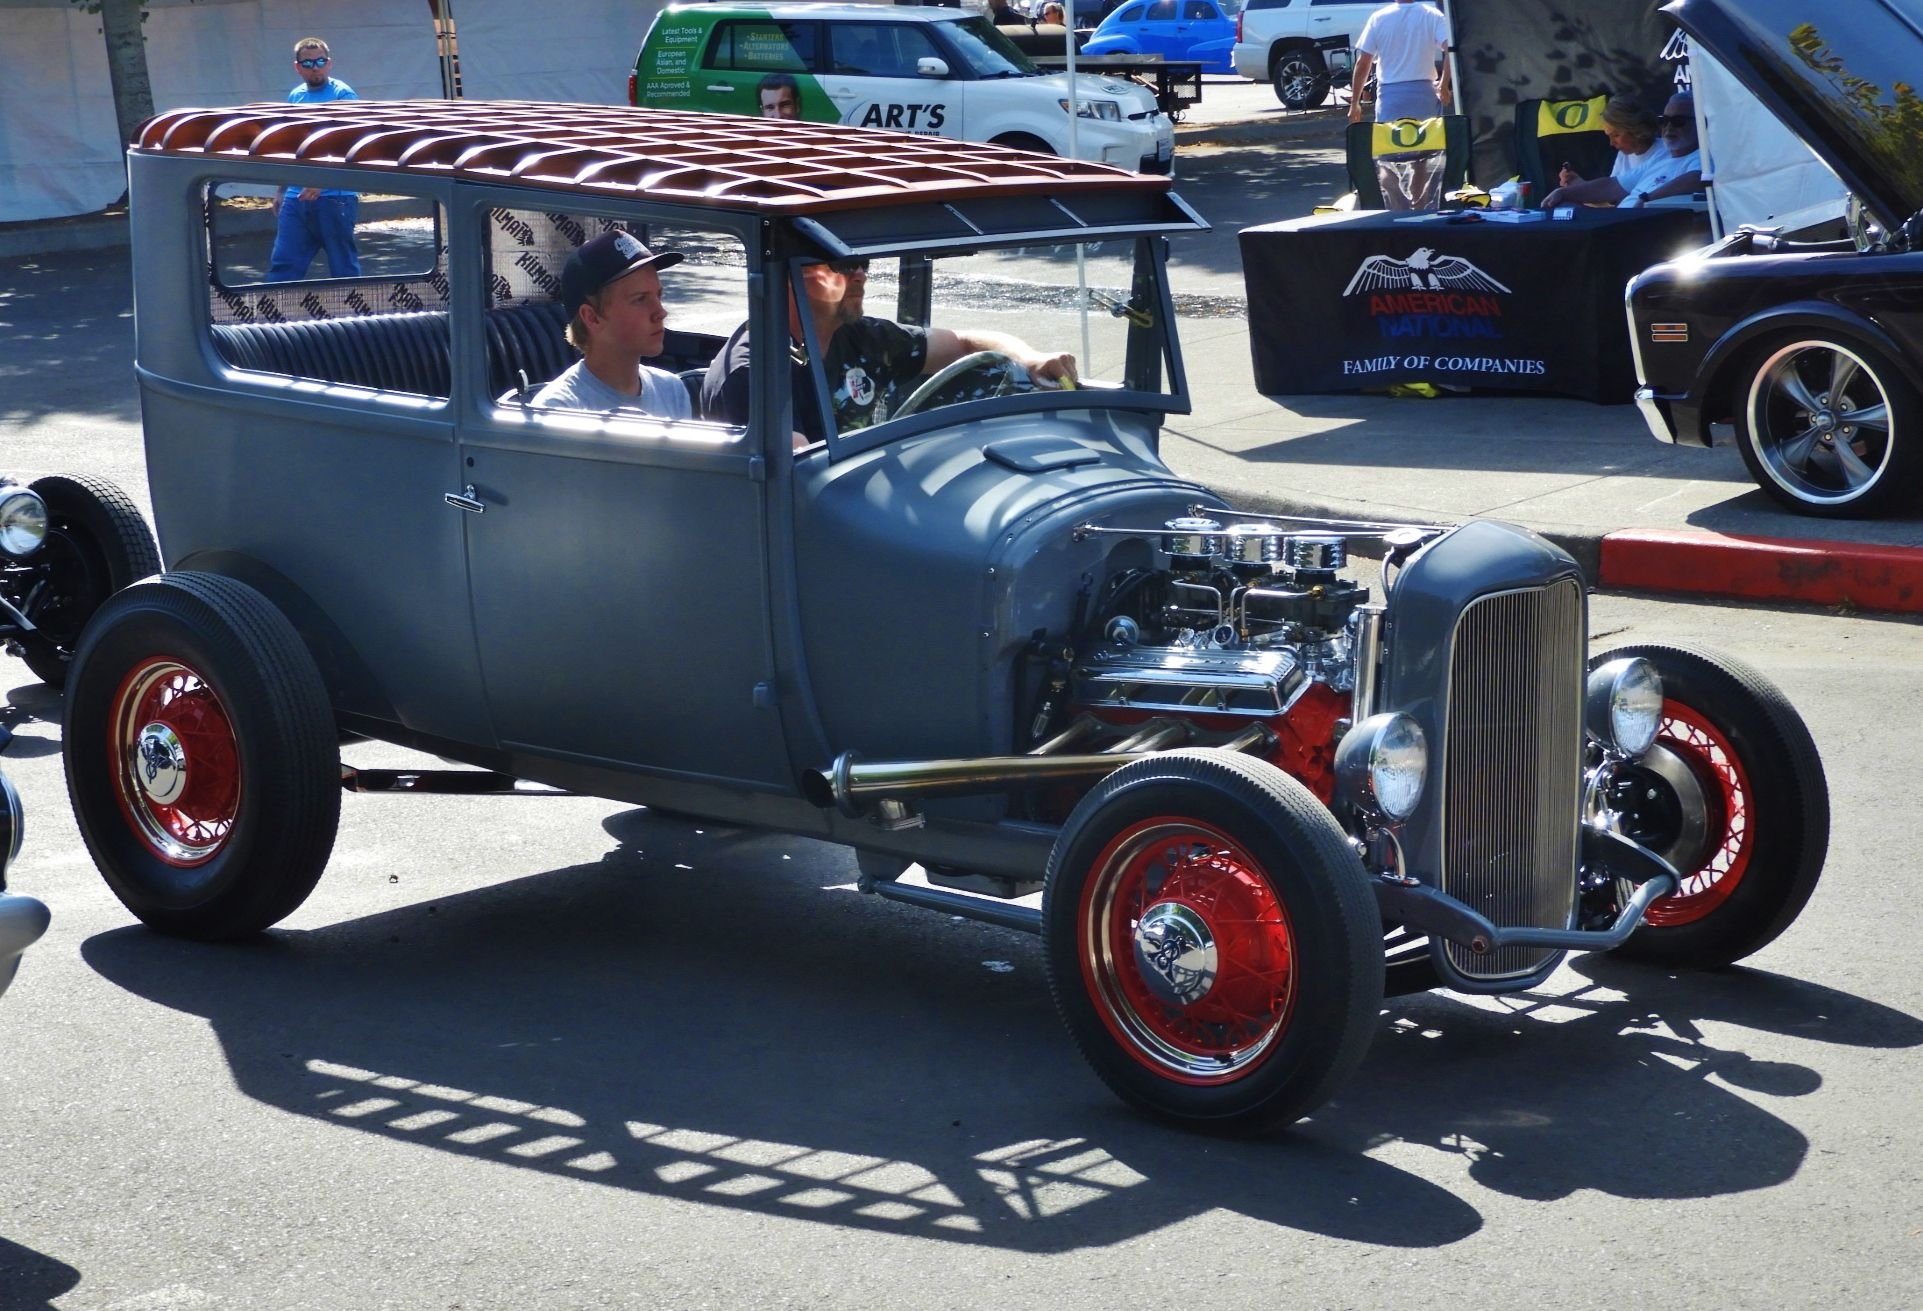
column 306, row 226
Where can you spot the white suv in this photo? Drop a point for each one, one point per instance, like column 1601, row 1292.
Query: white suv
column 1294, row 44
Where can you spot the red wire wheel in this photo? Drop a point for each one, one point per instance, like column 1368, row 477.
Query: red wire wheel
column 1188, row 953
column 1728, row 798
column 1212, row 942
column 1749, row 808
column 177, row 762
column 201, row 757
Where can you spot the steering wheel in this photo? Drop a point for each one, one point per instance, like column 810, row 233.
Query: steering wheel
column 1014, row 377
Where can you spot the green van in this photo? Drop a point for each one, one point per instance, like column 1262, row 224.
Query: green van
column 937, row 72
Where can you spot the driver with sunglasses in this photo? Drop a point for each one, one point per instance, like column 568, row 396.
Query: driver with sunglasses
column 312, row 219
column 863, row 356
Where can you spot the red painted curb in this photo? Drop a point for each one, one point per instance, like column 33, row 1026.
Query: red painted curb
column 1864, row 577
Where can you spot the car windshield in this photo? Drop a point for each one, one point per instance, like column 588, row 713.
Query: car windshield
column 984, row 307
column 986, row 52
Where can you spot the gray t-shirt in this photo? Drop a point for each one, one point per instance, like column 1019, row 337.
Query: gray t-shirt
column 662, row 394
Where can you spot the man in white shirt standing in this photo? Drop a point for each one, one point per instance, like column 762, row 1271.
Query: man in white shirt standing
column 1402, row 42
column 616, row 320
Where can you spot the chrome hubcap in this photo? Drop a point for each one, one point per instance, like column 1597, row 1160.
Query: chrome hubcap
column 162, row 771
column 1176, row 953
column 1819, row 421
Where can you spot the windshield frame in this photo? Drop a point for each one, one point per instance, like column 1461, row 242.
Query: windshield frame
column 1154, row 380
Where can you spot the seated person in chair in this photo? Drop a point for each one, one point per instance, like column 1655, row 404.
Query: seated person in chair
column 1632, row 132
column 1673, row 166
column 863, row 355
column 613, row 297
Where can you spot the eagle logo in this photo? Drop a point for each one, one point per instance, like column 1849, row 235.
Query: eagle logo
column 1423, row 271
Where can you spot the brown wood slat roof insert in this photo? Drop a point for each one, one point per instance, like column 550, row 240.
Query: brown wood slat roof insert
column 717, row 159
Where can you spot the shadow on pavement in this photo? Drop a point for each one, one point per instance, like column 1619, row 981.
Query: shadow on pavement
column 696, row 1017
column 30, row 1280
column 30, row 722
column 69, row 324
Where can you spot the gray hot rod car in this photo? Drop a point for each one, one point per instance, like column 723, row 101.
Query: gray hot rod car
column 987, row 631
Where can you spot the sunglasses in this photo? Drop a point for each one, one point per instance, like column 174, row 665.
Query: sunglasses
column 849, row 265
column 319, row 61
column 1668, row 121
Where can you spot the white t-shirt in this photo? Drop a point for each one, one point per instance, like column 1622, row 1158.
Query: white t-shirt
column 662, row 394
column 1662, row 167
column 1405, row 40
column 1630, row 167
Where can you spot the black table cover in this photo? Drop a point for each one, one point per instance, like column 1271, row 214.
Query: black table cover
column 1342, row 302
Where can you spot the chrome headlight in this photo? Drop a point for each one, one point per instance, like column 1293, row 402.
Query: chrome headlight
column 12, row 824
column 1106, row 109
column 1623, row 706
column 23, row 521
column 1380, row 765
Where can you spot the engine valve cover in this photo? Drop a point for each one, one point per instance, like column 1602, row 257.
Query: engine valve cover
column 1191, row 678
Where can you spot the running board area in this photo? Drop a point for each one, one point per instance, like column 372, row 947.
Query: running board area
column 1023, row 919
column 446, row 782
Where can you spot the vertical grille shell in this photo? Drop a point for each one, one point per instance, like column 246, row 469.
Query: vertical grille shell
column 1486, row 637
column 1511, row 773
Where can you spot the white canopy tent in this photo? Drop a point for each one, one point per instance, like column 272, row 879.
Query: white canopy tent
column 1758, row 172
column 59, row 147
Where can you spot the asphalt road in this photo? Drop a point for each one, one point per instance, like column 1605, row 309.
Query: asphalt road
column 558, row 1053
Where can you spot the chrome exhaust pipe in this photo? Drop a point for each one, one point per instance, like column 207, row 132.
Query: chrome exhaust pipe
column 851, row 784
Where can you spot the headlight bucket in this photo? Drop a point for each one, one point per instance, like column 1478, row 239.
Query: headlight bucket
column 1623, row 706
column 1381, row 764
column 23, row 521
column 1107, row 110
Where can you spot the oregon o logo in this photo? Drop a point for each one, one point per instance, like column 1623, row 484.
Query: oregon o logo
column 1571, row 114
column 1413, row 130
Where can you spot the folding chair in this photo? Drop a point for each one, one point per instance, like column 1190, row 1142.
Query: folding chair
column 1551, row 133
column 1411, row 152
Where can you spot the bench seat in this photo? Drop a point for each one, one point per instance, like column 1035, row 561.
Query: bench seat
column 409, row 352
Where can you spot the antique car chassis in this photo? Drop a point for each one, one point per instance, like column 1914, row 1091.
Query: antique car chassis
column 1252, row 796
column 66, row 544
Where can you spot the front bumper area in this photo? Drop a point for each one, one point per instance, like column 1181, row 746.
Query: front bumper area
column 1656, row 414
column 1426, row 909
column 22, row 921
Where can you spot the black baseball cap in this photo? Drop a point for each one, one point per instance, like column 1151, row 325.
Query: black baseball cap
column 600, row 260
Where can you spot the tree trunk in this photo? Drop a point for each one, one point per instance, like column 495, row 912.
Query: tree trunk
column 127, row 65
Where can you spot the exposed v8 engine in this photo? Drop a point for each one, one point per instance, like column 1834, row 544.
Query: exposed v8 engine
column 1243, row 623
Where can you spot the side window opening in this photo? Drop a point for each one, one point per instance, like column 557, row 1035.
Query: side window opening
column 878, row 49
column 367, row 308
column 532, row 363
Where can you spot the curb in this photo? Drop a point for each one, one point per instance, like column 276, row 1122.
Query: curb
column 1857, row 575
column 52, row 236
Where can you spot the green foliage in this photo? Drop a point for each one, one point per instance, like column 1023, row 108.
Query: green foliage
column 1891, row 123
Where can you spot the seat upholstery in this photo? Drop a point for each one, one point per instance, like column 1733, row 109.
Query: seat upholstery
column 409, row 352
column 1551, row 133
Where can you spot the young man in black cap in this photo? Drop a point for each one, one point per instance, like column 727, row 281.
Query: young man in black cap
column 613, row 297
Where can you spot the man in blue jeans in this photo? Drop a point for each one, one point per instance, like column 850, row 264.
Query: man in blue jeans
column 312, row 219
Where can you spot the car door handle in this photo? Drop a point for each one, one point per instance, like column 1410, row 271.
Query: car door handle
column 723, row 87
column 465, row 499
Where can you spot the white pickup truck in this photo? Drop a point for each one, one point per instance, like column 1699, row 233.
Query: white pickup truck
column 1298, row 45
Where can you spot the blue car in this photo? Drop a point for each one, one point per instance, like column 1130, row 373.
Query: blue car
column 1199, row 30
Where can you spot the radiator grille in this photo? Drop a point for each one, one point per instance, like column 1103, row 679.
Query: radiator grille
column 1512, row 769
